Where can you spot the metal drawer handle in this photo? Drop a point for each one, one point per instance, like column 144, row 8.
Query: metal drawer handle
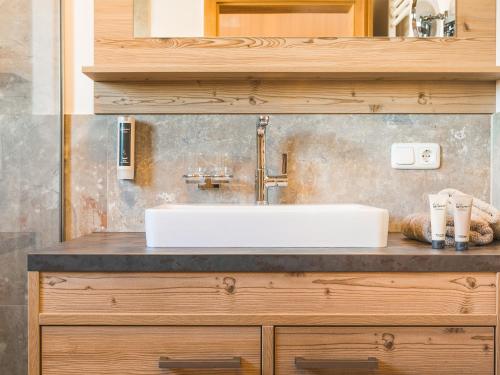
column 166, row 362
column 340, row 364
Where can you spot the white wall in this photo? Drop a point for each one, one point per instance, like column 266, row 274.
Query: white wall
column 78, row 52
column 174, row 18
column 45, row 52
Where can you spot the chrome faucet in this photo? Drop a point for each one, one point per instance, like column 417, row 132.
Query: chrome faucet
column 262, row 181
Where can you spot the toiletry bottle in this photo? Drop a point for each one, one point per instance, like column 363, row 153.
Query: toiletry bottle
column 462, row 212
column 126, row 148
column 439, row 208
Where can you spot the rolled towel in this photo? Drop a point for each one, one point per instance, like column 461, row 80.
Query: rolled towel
column 496, row 229
column 418, row 227
column 480, row 209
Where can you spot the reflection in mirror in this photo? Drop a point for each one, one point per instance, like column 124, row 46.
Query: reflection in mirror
column 307, row 18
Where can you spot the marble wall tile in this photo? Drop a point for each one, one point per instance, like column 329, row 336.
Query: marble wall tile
column 495, row 160
column 333, row 159
column 14, row 248
column 13, row 340
column 15, row 56
column 30, row 176
column 30, row 158
column 15, row 94
column 85, row 154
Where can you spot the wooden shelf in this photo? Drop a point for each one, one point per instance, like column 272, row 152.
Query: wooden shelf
column 162, row 73
column 294, row 75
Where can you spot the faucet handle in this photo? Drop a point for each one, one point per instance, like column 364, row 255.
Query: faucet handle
column 284, row 164
column 263, row 121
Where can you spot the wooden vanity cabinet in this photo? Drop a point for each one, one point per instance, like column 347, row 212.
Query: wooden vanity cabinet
column 262, row 323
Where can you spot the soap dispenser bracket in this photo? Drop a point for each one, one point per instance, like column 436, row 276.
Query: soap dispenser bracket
column 207, row 182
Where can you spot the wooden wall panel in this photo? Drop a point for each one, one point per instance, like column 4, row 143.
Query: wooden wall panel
column 474, row 50
column 476, row 19
column 474, row 46
column 295, row 97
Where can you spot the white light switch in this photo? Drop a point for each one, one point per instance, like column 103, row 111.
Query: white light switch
column 403, row 155
column 416, row 156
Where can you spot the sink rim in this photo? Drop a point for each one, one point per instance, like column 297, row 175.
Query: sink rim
column 245, row 207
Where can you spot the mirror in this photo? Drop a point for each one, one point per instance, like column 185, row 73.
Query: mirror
column 307, row 18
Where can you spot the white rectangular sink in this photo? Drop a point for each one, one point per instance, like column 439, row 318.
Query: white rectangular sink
column 291, row 226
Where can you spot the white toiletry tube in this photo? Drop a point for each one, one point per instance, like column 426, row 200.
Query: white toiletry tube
column 462, row 212
column 126, row 148
column 439, row 207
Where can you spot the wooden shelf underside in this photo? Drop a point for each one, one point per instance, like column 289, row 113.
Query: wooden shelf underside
column 152, row 73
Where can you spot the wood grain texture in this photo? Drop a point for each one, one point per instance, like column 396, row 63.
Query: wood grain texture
column 33, row 325
column 238, row 293
column 497, row 336
column 114, row 43
column 296, row 97
column 145, row 319
column 400, row 350
column 283, row 24
column 470, row 56
column 188, row 72
column 267, row 350
column 347, row 55
column 136, row 350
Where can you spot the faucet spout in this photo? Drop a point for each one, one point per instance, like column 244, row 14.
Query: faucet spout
column 262, row 181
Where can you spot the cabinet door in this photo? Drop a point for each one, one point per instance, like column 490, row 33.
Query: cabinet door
column 385, row 350
column 151, row 350
column 276, row 18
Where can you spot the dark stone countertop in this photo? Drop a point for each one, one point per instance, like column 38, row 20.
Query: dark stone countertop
column 127, row 252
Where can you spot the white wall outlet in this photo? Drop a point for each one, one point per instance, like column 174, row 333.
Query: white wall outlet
column 416, row 156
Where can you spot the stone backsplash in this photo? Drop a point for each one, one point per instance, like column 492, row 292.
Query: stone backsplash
column 332, row 159
column 495, row 160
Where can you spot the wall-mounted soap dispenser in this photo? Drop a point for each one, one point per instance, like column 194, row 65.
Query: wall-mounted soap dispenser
column 126, row 148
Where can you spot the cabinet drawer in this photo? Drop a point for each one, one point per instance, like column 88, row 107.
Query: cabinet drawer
column 385, row 350
column 139, row 350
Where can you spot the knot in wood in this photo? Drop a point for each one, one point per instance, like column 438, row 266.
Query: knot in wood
column 229, row 284
column 388, row 340
column 471, row 282
column 422, row 99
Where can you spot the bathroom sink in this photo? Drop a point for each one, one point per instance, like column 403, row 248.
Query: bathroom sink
column 266, row 226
